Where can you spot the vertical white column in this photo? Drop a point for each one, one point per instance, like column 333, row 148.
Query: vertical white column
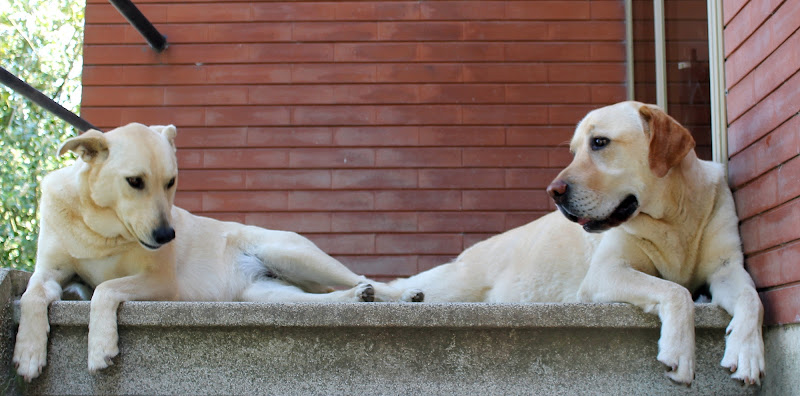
column 716, row 68
column 629, row 48
column 661, row 57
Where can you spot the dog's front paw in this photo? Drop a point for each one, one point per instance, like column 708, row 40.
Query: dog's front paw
column 680, row 366
column 365, row 292
column 413, row 295
column 30, row 352
column 102, row 348
column 744, row 355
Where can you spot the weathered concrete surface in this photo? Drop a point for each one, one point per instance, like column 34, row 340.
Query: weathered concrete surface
column 378, row 348
column 12, row 285
column 782, row 344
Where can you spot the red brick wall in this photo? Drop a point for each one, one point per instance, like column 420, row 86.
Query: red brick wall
column 762, row 47
column 392, row 133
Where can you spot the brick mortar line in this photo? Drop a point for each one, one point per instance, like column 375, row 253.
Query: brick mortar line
column 768, row 170
column 777, row 205
column 766, row 56
column 772, row 248
column 752, row 33
column 757, row 101
column 779, row 287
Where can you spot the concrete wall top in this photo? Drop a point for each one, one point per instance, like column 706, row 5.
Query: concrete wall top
column 424, row 315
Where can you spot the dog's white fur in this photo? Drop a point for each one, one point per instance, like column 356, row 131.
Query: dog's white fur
column 109, row 218
column 682, row 235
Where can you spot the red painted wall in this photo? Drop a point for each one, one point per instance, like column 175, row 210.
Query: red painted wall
column 762, row 49
column 394, row 134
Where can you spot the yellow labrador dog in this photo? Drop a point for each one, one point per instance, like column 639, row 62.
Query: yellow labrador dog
column 642, row 221
column 110, row 219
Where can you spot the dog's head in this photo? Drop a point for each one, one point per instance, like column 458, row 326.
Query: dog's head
column 620, row 152
column 131, row 172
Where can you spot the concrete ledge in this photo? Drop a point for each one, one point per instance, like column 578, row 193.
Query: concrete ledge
column 385, row 315
column 378, row 348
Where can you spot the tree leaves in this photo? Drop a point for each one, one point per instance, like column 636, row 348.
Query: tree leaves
column 41, row 42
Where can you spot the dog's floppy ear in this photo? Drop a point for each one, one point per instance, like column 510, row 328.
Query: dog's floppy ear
column 669, row 140
column 89, row 146
column 169, row 131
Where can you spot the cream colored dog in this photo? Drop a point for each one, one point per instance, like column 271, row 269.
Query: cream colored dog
column 109, row 218
column 644, row 222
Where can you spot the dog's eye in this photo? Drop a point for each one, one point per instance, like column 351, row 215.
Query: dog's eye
column 135, row 182
column 170, row 183
column 598, row 143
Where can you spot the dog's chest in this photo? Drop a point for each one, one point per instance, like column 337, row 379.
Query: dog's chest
column 97, row 271
column 84, row 244
column 672, row 256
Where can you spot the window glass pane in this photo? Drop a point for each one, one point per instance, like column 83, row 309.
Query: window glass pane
column 686, row 29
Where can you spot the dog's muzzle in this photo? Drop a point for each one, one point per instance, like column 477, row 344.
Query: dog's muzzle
column 161, row 236
column 559, row 191
column 621, row 214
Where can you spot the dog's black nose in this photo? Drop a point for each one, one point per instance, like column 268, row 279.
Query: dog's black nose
column 557, row 190
column 163, row 234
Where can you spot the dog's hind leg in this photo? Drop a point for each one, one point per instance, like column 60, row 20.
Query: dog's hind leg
column 278, row 291
column 298, row 261
column 77, row 290
column 300, row 265
column 325, row 270
column 450, row 282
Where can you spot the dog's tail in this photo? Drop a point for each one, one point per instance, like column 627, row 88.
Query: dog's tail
column 254, row 269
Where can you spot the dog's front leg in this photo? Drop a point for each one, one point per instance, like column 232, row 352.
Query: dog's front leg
column 733, row 289
column 612, row 280
column 30, row 350
column 103, row 336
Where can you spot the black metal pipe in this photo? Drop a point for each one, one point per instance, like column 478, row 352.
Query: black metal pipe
column 22, row 88
column 135, row 17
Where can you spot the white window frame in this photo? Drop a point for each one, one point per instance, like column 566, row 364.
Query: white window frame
column 716, row 66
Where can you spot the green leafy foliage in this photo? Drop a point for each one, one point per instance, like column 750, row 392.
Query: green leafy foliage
column 41, row 43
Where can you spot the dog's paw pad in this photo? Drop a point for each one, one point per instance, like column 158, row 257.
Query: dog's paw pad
column 679, row 369
column 413, row 295
column 744, row 357
column 680, row 378
column 98, row 363
column 365, row 292
column 748, row 379
column 29, row 369
column 100, row 356
column 749, row 372
column 29, row 358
